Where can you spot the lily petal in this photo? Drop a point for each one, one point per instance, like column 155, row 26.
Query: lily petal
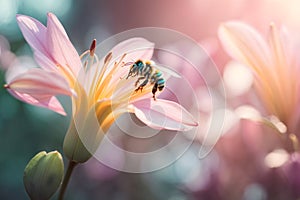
column 39, row 82
column 45, row 62
column 60, row 47
column 246, row 45
column 37, row 36
column 49, row 102
column 34, row 33
column 135, row 48
column 163, row 114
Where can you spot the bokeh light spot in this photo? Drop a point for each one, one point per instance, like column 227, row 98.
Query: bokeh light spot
column 276, row 158
column 238, row 78
column 254, row 192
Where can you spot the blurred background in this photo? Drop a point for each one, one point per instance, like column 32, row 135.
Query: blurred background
column 233, row 170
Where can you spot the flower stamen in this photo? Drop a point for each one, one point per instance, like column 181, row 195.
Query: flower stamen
column 100, row 84
column 106, row 62
column 83, row 54
column 67, row 73
column 92, row 48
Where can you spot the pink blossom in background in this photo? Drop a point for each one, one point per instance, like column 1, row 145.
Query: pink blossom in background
column 275, row 67
column 255, row 154
column 6, row 56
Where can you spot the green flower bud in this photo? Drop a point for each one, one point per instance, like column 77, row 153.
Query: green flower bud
column 43, row 175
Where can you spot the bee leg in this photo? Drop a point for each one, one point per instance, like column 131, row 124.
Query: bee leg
column 154, row 97
column 154, row 89
column 143, row 84
column 139, row 88
column 138, row 80
column 129, row 74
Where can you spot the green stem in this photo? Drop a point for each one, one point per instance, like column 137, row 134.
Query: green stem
column 66, row 179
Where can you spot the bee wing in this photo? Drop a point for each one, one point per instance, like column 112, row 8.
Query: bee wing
column 167, row 69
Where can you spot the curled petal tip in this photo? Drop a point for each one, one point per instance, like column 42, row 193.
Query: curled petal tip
column 50, row 14
column 18, row 16
column 195, row 123
column 191, row 124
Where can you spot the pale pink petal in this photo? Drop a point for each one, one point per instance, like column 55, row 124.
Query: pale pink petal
column 163, row 114
column 86, row 77
column 45, row 62
column 34, row 33
column 245, row 44
column 51, row 17
column 49, row 102
column 135, row 48
column 60, row 47
column 37, row 81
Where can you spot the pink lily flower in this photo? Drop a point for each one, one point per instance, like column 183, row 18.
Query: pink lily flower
column 99, row 93
column 275, row 68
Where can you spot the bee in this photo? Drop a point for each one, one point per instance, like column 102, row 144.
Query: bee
column 148, row 72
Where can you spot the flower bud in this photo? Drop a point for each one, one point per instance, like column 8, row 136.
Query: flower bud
column 43, row 175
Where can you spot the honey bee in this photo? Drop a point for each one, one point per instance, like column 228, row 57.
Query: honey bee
column 148, row 72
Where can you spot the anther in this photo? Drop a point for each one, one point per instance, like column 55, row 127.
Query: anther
column 93, row 48
column 108, row 57
column 6, row 86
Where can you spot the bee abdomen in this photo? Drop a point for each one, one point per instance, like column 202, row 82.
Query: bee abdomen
column 160, row 81
column 158, row 74
column 160, row 88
